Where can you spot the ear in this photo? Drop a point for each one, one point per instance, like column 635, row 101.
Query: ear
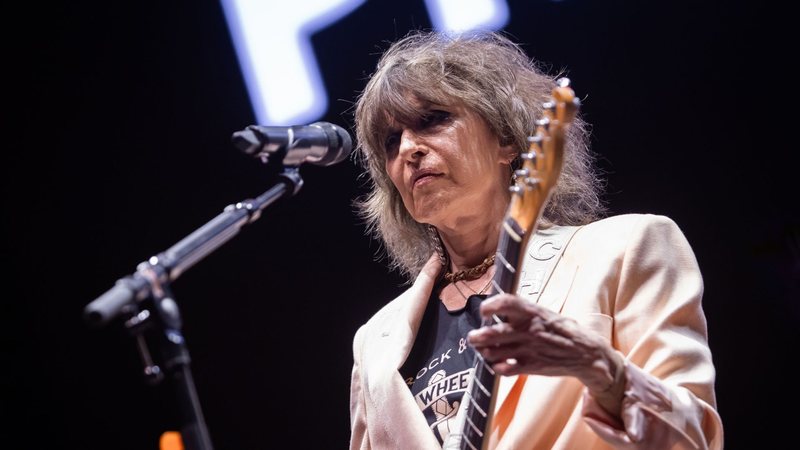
column 507, row 154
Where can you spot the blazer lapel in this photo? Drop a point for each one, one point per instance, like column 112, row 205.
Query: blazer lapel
column 388, row 348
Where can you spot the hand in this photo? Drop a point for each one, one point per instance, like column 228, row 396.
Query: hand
column 535, row 340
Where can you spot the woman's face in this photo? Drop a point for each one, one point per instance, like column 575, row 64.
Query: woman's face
column 448, row 166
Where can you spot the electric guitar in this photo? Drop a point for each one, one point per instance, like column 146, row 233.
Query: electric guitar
column 534, row 181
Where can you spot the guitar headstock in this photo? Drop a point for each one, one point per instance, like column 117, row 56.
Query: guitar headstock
column 542, row 162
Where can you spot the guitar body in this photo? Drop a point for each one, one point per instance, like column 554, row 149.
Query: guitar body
column 534, row 182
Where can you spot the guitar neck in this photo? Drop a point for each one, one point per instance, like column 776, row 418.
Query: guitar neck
column 541, row 166
column 509, row 249
column 481, row 396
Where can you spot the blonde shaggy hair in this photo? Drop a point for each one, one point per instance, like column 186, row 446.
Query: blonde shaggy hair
column 487, row 73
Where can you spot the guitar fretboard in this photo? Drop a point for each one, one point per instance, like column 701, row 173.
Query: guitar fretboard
column 481, row 395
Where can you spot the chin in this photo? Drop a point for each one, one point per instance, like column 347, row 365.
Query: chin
column 430, row 217
column 422, row 216
column 429, row 210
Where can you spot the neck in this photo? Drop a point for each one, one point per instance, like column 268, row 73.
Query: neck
column 470, row 245
column 472, row 234
column 454, row 295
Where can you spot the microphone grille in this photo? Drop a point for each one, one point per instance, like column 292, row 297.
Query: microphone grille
column 340, row 144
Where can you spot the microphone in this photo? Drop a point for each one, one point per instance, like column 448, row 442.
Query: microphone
column 320, row 143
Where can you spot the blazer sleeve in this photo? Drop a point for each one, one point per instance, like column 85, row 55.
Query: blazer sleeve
column 359, row 437
column 660, row 329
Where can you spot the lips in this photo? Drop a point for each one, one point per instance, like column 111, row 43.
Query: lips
column 423, row 176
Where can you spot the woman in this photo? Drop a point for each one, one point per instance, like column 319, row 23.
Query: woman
column 605, row 344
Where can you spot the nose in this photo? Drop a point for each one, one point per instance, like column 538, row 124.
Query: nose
column 411, row 146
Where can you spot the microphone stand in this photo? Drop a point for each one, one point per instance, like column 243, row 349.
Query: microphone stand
column 145, row 298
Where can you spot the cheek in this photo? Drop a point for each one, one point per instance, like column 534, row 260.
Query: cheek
column 394, row 169
column 395, row 173
column 476, row 163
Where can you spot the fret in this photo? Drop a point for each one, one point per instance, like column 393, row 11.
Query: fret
column 477, row 406
column 467, row 439
column 509, row 249
column 479, row 393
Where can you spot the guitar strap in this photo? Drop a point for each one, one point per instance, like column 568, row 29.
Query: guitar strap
column 542, row 255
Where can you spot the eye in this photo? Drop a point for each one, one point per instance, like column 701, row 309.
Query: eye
column 433, row 118
column 392, row 141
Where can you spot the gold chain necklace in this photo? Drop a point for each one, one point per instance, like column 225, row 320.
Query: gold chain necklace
column 472, row 273
column 483, row 289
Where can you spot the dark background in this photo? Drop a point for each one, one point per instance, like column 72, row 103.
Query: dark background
column 117, row 145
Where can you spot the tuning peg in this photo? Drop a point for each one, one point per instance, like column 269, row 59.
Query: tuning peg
column 531, row 181
column 522, row 173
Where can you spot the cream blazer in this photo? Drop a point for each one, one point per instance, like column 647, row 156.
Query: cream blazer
column 634, row 280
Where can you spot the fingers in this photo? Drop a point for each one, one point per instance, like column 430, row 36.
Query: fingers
column 508, row 367
column 498, row 342
column 511, row 308
column 505, row 333
column 499, row 354
column 493, row 335
column 532, row 340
